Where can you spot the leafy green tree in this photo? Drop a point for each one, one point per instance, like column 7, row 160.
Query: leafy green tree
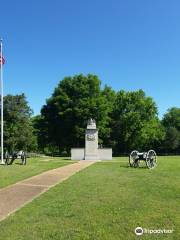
column 18, row 130
column 172, row 140
column 135, row 122
column 40, row 131
column 171, row 123
column 109, row 96
column 73, row 102
column 172, row 118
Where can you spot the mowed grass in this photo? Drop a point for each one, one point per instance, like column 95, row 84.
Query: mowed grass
column 106, row 201
column 13, row 173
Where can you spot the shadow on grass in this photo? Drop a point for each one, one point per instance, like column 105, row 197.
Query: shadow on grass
column 127, row 166
column 141, row 167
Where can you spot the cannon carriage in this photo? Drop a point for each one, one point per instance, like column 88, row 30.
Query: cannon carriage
column 149, row 157
column 9, row 158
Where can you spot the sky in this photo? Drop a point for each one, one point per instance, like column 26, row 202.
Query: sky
column 129, row 44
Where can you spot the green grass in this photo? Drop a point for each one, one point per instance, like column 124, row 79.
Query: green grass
column 106, row 201
column 13, row 173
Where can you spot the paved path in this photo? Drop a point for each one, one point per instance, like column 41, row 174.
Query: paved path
column 17, row 195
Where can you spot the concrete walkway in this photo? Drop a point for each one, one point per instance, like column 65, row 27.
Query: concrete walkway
column 17, row 195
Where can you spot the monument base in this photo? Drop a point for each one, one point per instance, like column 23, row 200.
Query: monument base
column 79, row 154
column 91, row 157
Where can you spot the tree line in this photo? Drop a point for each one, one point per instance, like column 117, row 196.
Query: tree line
column 126, row 120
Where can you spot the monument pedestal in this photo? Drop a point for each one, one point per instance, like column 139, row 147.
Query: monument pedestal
column 91, row 143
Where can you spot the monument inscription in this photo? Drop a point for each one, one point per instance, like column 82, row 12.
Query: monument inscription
column 90, row 137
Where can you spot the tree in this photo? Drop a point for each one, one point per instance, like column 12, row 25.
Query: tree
column 172, row 140
column 40, row 131
column 18, row 130
column 73, row 102
column 172, row 118
column 135, row 122
column 171, row 123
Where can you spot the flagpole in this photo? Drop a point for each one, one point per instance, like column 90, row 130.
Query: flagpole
column 2, row 123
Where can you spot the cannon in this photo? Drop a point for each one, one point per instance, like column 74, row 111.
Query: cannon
column 149, row 157
column 9, row 158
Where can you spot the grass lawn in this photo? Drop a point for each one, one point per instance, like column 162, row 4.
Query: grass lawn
column 13, row 173
column 106, row 201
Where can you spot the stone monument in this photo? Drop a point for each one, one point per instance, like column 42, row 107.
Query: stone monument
column 91, row 141
column 91, row 151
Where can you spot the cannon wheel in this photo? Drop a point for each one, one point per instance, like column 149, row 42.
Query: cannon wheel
column 134, row 159
column 7, row 158
column 151, row 159
column 23, row 158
